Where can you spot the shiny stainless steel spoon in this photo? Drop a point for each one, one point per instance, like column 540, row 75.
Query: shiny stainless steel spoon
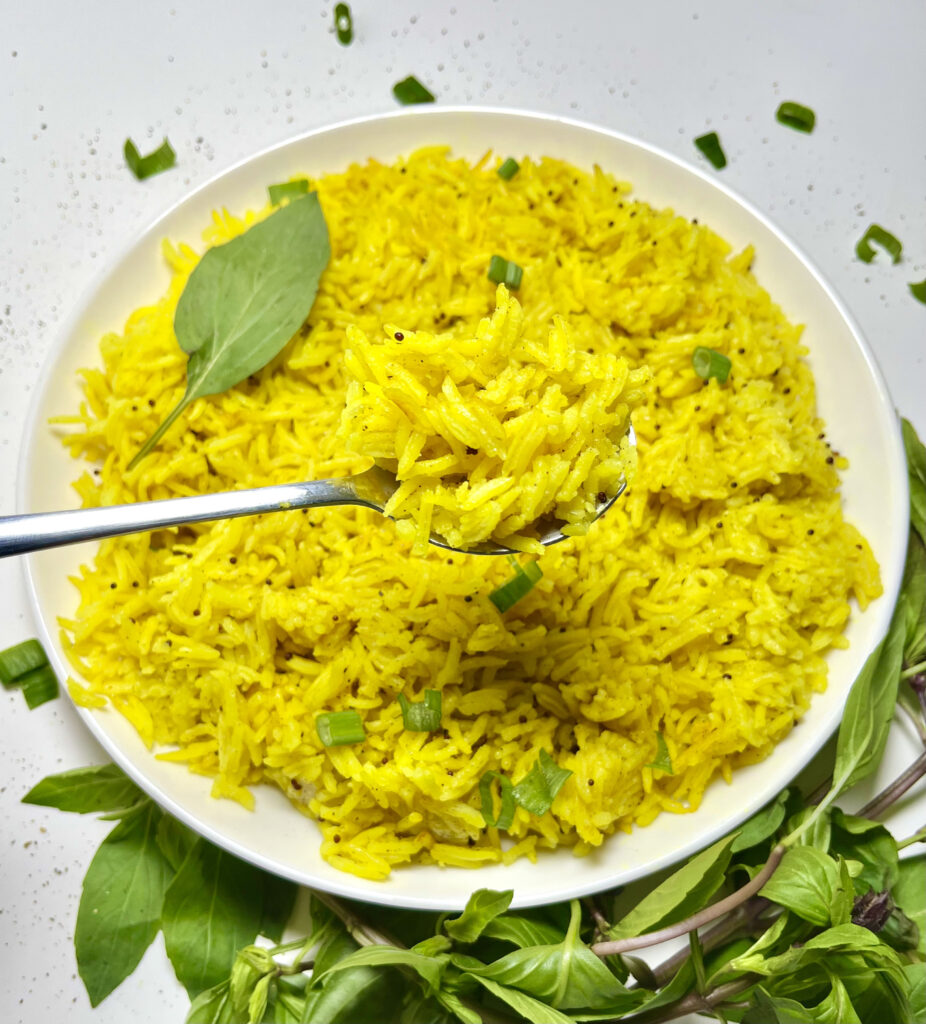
column 372, row 489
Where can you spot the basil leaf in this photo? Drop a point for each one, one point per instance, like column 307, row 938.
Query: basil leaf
column 174, row 840
column 482, row 907
column 430, row 969
column 916, row 994
column 522, row 931
column 287, row 1001
column 212, row 908
column 774, row 1009
column 916, row 468
column 804, row 882
column 353, row 995
column 566, row 976
column 531, row 1009
column 211, row 1006
column 762, row 825
column 869, row 709
column 837, row 1007
column 843, row 895
column 246, row 299
column 909, row 893
column 683, row 892
column 913, row 588
column 678, row 987
column 120, row 903
column 278, row 898
column 871, row 844
column 102, row 787
column 844, row 937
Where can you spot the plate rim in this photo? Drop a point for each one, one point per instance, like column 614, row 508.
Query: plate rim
column 381, row 892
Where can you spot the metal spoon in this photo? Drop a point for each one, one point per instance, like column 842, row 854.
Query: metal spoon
column 372, row 489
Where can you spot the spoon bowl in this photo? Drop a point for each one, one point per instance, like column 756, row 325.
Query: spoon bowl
column 372, row 489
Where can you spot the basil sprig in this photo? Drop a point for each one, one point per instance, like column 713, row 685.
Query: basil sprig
column 245, row 300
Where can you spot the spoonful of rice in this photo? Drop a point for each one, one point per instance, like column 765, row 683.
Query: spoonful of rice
column 486, row 445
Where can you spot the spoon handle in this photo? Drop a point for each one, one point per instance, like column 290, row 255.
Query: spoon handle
column 39, row 530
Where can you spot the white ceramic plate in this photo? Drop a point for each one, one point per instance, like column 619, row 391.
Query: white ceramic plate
column 852, row 397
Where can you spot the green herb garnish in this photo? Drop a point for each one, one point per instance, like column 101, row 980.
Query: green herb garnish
column 796, row 116
column 245, row 300
column 506, row 811
column 537, row 790
column 709, row 145
column 26, row 666
column 287, row 190
column 502, row 271
column 410, row 91
column 918, row 291
column 521, row 584
column 662, row 761
column 509, row 169
column 423, row 715
column 343, row 24
column 340, row 728
column 162, row 159
column 881, row 237
column 708, row 362
column 19, row 659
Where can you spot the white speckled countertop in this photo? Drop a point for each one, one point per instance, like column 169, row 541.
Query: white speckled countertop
column 225, row 80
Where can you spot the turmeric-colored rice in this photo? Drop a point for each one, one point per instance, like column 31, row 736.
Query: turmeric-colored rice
column 493, row 434
column 700, row 607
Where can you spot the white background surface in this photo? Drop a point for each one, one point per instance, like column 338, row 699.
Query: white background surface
column 224, row 80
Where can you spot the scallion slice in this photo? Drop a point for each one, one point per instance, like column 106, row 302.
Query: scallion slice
column 503, row 271
column 797, row 116
column 19, row 659
column 918, row 290
column 340, row 728
column 343, row 24
column 39, row 685
column 879, row 236
column 537, row 790
column 162, row 159
column 410, row 90
column 509, row 169
column 707, row 363
column 423, row 715
column 506, row 810
column 287, row 190
column 662, row 761
column 522, row 583
column 710, row 146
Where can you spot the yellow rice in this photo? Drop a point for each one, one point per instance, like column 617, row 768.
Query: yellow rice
column 701, row 606
column 489, row 434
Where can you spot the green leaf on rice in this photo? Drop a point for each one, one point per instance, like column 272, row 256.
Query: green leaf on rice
column 245, row 300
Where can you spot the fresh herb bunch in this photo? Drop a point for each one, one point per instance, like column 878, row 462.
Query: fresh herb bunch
column 803, row 914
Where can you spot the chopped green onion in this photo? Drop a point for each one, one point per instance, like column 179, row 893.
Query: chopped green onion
column 537, row 790
column 662, row 761
column 709, row 363
column 796, row 116
column 879, row 236
column 509, row 169
column 503, row 271
column 287, row 190
column 340, row 728
column 39, row 685
column 343, row 24
column 522, row 583
column 410, row 90
column 19, row 659
column 162, row 159
column 506, row 810
column 423, row 715
column 918, row 291
column 710, row 146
